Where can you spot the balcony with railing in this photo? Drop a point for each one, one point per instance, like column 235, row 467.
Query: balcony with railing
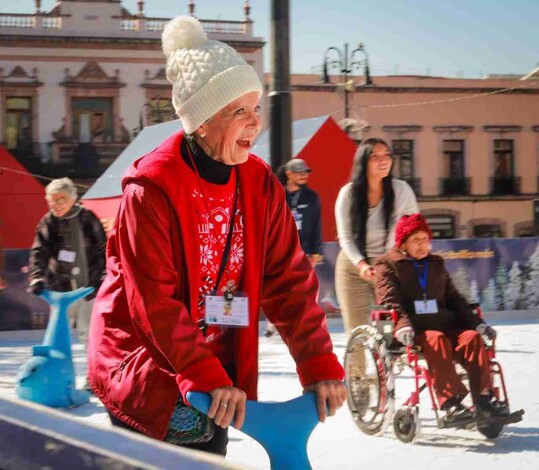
column 26, row 22
column 454, row 186
column 136, row 23
column 501, row 186
column 125, row 26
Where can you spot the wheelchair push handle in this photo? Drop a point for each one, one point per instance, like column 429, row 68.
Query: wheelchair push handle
column 382, row 313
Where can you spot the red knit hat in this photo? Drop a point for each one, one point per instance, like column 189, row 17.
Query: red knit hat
column 409, row 224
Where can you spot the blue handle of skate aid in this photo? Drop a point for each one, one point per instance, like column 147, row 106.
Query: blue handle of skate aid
column 283, row 428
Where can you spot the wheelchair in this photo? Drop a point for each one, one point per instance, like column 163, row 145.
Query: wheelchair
column 374, row 358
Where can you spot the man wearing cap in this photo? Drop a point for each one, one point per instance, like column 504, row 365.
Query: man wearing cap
column 305, row 206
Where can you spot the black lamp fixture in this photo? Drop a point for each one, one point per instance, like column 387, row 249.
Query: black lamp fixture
column 346, row 64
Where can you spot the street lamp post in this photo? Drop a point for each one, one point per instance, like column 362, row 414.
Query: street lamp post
column 280, row 98
column 346, row 64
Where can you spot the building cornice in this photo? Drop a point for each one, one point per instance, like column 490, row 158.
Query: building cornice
column 5, row 84
column 83, row 59
column 427, row 89
column 402, row 129
column 87, row 42
column 502, row 129
column 478, row 198
column 454, row 129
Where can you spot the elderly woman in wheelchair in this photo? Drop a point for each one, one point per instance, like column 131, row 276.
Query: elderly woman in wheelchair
column 429, row 315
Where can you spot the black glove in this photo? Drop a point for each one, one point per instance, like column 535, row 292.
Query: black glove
column 405, row 335
column 37, row 287
column 487, row 331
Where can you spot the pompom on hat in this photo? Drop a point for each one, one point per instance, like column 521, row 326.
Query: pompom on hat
column 407, row 225
column 206, row 75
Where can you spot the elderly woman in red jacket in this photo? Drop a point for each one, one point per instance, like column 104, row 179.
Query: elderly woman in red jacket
column 433, row 314
column 203, row 240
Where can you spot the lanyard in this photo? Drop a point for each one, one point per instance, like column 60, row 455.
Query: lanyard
column 226, row 251
column 294, row 199
column 422, row 276
column 228, row 243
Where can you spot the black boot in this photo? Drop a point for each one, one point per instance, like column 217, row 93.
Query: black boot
column 487, row 406
column 455, row 411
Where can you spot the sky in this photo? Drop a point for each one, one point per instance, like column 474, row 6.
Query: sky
column 457, row 38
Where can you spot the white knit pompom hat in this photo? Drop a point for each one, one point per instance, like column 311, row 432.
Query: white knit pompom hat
column 205, row 75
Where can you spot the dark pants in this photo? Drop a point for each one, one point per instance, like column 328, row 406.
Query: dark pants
column 216, row 445
column 464, row 346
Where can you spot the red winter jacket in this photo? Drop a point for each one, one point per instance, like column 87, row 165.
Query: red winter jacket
column 144, row 347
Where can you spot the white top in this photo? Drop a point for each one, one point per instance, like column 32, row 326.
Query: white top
column 405, row 204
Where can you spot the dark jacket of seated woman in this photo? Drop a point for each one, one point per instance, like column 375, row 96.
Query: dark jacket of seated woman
column 397, row 287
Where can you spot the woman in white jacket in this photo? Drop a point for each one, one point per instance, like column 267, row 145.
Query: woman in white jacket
column 366, row 211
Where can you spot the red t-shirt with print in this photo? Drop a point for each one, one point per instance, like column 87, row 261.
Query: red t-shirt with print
column 214, row 204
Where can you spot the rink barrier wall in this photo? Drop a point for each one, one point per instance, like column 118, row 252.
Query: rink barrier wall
column 33, row 436
column 499, row 273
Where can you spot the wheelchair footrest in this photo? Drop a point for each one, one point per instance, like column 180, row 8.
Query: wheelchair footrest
column 514, row 417
column 470, row 423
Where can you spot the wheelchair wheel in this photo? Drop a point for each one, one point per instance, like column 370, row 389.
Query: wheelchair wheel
column 369, row 380
column 406, row 424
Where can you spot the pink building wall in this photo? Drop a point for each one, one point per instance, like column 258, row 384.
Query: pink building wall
column 411, row 107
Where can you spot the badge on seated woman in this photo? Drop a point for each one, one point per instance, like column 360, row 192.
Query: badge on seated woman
column 425, row 306
column 227, row 311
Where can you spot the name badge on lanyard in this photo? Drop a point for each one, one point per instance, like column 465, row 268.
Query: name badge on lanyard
column 424, row 306
column 298, row 219
column 67, row 256
column 231, row 311
column 298, row 216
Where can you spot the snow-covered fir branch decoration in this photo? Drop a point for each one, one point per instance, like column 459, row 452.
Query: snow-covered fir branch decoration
column 489, row 297
column 501, row 282
column 460, row 279
column 531, row 285
column 475, row 298
column 513, row 291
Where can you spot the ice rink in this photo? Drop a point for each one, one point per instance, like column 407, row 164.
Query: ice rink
column 338, row 444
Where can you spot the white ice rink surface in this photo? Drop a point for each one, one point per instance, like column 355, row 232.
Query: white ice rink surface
column 338, row 444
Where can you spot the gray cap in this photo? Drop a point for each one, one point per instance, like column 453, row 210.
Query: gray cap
column 297, row 165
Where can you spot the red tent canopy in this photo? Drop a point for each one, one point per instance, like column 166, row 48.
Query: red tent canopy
column 104, row 208
column 329, row 153
column 22, row 202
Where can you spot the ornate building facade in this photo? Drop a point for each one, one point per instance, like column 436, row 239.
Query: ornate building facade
column 79, row 81
column 468, row 147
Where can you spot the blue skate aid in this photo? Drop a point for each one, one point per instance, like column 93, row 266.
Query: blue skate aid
column 283, row 429
column 48, row 377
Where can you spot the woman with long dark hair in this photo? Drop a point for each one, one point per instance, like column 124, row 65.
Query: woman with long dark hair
column 366, row 211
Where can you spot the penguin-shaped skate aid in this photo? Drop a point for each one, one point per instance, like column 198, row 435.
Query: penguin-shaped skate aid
column 283, row 429
column 48, row 377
